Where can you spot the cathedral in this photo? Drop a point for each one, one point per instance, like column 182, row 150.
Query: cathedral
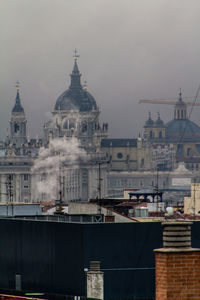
column 75, row 116
column 108, row 165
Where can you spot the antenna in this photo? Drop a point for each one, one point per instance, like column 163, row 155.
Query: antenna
column 9, row 187
column 194, row 191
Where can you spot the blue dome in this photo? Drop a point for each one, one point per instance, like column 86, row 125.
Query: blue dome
column 76, row 98
column 159, row 122
column 183, row 130
column 149, row 122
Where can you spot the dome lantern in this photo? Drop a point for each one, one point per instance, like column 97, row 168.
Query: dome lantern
column 180, row 110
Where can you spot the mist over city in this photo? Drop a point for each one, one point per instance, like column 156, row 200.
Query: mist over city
column 99, row 149
column 129, row 50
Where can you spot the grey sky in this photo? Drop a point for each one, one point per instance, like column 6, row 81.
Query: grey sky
column 129, row 49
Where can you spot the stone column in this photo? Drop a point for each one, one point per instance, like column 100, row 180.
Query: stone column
column 177, row 264
column 95, row 283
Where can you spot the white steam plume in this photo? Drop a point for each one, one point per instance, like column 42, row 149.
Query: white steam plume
column 61, row 153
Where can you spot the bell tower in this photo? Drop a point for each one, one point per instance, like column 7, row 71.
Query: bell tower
column 18, row 122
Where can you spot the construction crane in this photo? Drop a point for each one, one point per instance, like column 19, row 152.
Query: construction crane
column 168, row 102
column 173, row 101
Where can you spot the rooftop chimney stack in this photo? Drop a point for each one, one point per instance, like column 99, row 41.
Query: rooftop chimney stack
column 177, row 264
column 95, row 281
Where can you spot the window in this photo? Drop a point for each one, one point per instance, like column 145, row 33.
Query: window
column 119, row 155
column 84, row 126
column 72, row 124
column 25, row 177
column 10, row 176
column 26, row 186
column 16, row 127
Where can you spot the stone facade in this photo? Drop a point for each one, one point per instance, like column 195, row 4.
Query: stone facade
column 75, row 116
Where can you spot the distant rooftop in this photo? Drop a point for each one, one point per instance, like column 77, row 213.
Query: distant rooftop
column 119, row 142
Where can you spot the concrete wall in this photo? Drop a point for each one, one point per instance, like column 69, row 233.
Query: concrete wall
column 92, row 208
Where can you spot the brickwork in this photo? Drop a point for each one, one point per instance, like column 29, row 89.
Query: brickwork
column 177, row 275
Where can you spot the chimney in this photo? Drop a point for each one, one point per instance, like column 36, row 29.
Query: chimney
column 95, row 282
column 177, row 264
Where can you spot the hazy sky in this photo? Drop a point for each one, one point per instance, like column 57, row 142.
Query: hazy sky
column 129, row 49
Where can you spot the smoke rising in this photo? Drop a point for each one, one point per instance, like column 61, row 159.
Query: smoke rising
column 61, row 155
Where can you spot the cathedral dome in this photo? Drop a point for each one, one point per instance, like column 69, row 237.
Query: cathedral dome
column 76, row 98
column 182, row 129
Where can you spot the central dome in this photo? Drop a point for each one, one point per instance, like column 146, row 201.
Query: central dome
column 76, row 98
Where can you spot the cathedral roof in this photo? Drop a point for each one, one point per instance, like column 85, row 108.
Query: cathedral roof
column 17, row 107
column 119, row 142
column 76, row 98
column 182, row 129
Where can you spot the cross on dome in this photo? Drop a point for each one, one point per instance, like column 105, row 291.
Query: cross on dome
column 76, row 55
column 17, row 85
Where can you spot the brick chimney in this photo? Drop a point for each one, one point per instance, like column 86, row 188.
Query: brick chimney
column 177, row 264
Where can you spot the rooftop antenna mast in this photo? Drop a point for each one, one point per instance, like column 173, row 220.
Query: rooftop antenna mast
column 156, row 189
column 59, row 207
column 9, row 186
column 99, row 163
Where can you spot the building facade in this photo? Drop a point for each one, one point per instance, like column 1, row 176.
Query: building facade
column 108, row 165
column 75, row 117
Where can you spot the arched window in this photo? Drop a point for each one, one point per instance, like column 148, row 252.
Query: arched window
column 84, row 126
column 72, row 124
column 189, row 152
column 16, row 127
column 160, row 134
column 182, row 114
column 142, row 163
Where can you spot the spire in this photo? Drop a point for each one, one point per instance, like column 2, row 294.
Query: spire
column 149, row 122
column 180, row 96
column 17, row 107
column 75, row 76
column 149, row 115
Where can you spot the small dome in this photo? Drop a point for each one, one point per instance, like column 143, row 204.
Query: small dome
column 149, row 122
column 159, row 122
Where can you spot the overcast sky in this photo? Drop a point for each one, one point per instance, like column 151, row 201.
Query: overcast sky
column 129, row 49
